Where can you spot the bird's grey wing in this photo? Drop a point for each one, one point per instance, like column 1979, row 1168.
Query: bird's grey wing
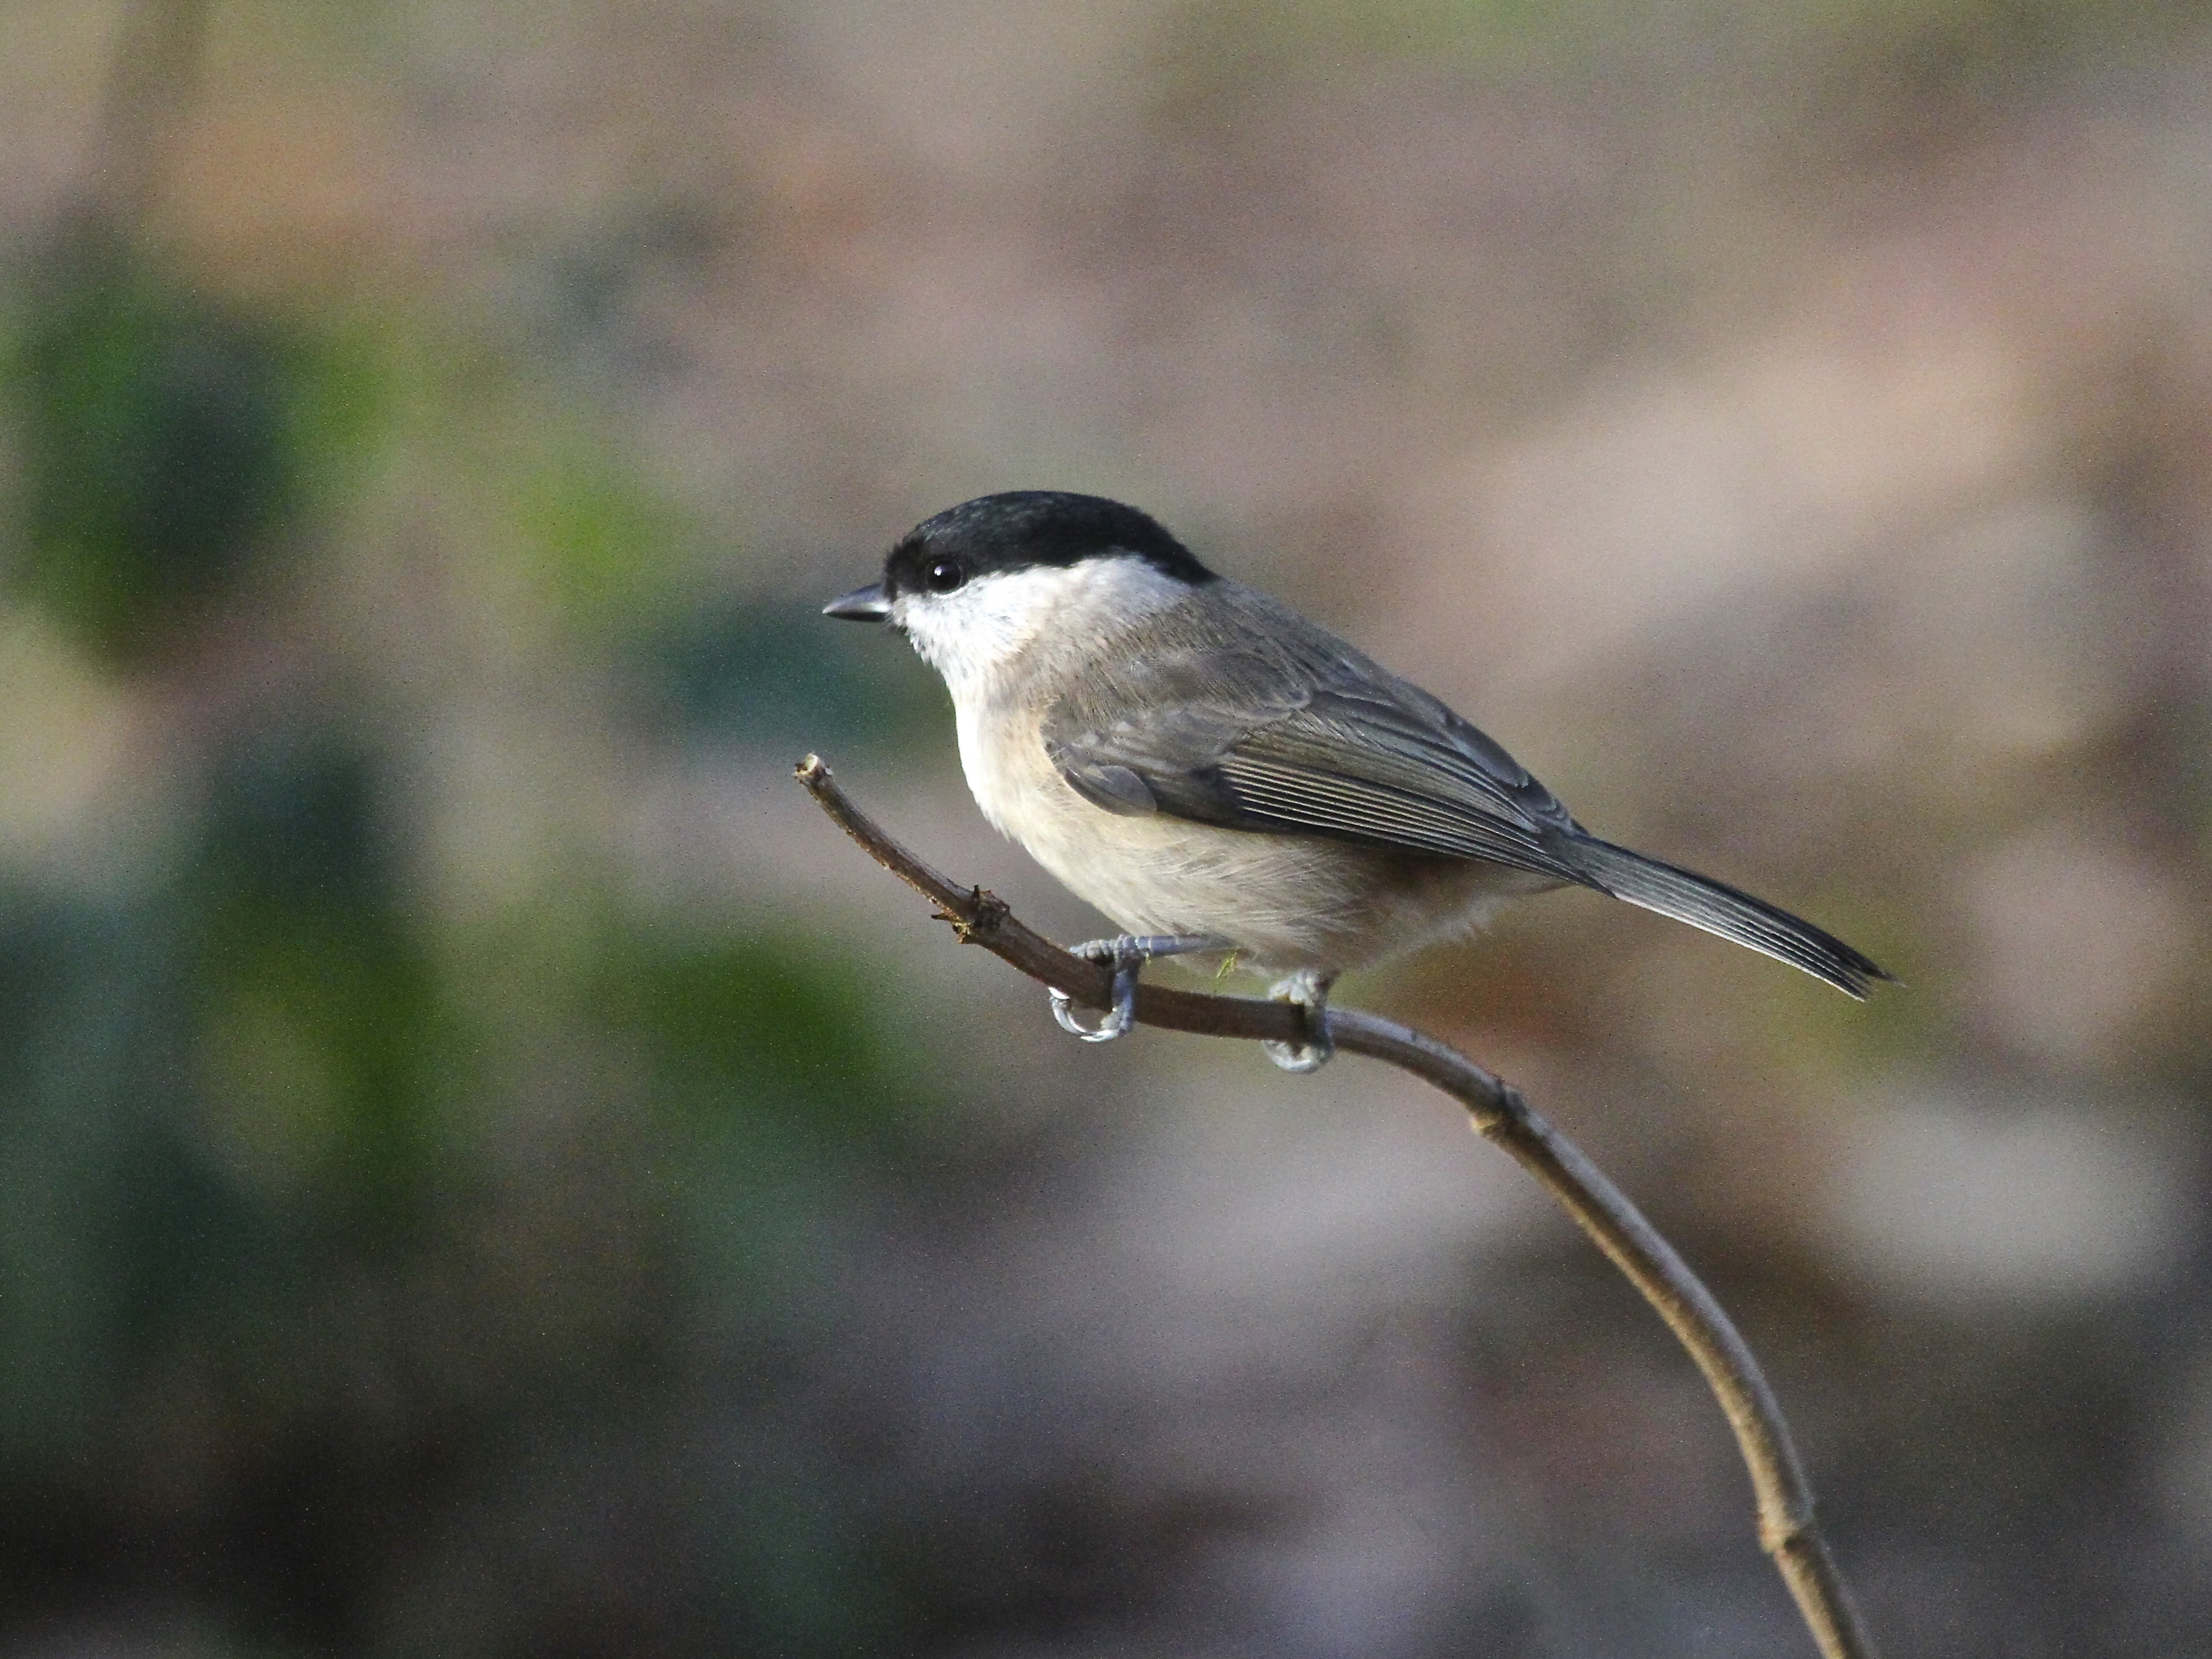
column 1339, row 749
column 1150, row 739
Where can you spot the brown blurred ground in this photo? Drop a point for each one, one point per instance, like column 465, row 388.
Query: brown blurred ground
column 431, row 1220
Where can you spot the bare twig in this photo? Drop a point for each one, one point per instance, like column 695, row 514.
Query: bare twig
column 1787, row 1530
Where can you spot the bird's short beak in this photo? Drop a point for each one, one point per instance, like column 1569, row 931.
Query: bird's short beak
column 861, row 605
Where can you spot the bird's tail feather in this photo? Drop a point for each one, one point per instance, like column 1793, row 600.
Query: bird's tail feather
column 1720, row 909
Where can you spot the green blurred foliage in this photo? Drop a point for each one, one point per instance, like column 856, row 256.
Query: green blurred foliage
column 258, row 1240
column 165, row 437
column 320, row 1018
column 599, row 546
column 768, row 1011
column 231, row 1098
column 90, row 1036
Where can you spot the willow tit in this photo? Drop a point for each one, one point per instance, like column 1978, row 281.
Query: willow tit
column 1218, row 775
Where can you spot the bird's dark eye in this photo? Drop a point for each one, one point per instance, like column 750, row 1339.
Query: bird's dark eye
column 943, row 575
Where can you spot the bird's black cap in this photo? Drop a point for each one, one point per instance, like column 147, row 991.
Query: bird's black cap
column 1024, row 529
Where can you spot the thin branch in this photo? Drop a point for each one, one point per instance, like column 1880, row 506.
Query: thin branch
column 1787, row 1530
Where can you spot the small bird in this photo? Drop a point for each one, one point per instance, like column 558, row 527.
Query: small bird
column 1218, row 775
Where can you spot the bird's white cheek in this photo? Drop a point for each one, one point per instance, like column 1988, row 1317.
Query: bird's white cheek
column 940, row 640
column 970, row 636
column 975, row 635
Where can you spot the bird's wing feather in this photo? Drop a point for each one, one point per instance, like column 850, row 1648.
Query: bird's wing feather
column 1324, row 743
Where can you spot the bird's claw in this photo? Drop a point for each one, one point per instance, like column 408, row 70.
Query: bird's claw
column 1307, row 990
column 1125, row 955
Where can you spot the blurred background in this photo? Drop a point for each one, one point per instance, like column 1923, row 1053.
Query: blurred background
column 485, row 1170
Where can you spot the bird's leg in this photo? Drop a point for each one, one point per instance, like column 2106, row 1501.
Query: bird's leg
column 1309, row 989
column 1126, row 954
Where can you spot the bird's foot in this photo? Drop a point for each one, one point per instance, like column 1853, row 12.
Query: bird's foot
column 1126, row 954
column 1308, row 989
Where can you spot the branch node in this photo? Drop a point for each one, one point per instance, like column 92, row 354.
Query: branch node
column 1505, row 1113
column 975, row 919
column 1789, row 1531
column 986, row 910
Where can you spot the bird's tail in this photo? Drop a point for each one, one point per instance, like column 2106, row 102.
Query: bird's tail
column 1719, row 909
